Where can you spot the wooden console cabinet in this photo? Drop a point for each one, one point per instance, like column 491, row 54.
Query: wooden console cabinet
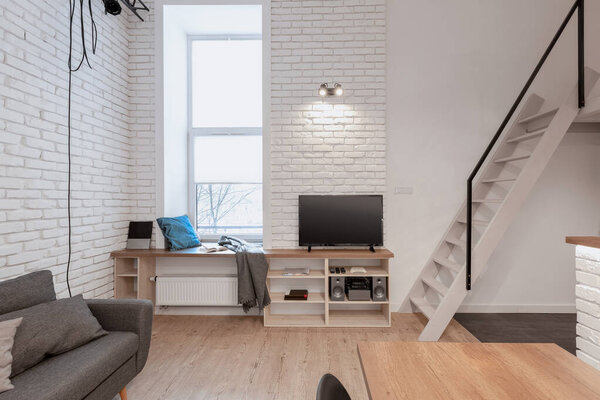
column 134, row 268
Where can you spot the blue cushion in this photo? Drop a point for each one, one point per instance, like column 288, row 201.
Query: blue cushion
column 178, row 232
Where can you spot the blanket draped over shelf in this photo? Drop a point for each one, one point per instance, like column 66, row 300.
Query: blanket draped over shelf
column 252, row 268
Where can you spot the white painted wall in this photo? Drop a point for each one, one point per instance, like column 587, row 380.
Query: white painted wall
column 453, row 68
column 175, row 123
column 450, row 85
column 531, row 270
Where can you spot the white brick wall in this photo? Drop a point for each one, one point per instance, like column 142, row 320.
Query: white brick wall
column 588, row 305
column 33, row 158
column 335, row 146
column 142, row 114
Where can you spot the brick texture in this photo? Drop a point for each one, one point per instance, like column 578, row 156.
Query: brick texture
column 588, row 305
column 34, row 40
column 335, row 145
column 142, row 113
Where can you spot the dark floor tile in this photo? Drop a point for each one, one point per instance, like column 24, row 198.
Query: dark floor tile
column 522, row 328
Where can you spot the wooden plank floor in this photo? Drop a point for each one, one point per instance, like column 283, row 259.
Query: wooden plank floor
column 215, row 357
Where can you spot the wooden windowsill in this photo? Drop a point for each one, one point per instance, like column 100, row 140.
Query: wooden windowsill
column 589, row 241
column 339, row 254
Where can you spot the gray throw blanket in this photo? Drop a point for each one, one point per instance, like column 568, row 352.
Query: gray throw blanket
column 252, row 270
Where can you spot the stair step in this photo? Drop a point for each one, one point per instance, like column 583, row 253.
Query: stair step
column 488, row 201
column 444, row 262
column 512, row 158
column 538, row 116
column 457, row 242
column 423, row 305
column 474, row 221
column 527, row 136
column 499, row 179
column 436, row 285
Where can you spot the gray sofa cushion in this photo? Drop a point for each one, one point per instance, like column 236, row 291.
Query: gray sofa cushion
column 26, row 291
column 51, row 329
column 74, row 375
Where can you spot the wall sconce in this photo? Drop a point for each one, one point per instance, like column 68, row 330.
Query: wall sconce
column 336, row 90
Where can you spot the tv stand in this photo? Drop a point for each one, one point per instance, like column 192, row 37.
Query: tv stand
column 318, row 310
column 371, row 248
column 309, row 248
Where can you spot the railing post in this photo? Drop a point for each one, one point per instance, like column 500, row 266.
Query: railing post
column 581, row 52
column 469, row 230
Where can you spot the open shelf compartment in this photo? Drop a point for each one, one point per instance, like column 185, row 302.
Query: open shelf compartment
column 312, row 298
column 279, row 274
column 295, row 320
column 371, row 271
column 360, row 318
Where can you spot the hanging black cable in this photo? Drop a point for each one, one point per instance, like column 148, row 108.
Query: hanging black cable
column 111, row 7
column 84, row 58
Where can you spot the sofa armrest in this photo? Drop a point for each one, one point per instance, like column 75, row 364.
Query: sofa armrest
column 126, row 315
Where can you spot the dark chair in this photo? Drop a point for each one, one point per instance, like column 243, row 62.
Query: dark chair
column 330, row 388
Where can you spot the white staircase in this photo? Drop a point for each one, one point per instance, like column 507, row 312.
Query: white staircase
column 503, row 184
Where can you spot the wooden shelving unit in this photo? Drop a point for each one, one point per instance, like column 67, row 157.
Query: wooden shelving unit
column 330, row 313
column 132, row 277
column 133, row 269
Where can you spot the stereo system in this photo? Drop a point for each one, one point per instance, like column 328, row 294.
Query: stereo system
column 358, row 288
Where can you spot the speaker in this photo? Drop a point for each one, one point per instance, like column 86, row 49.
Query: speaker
column 379, row 288
column 336, row 288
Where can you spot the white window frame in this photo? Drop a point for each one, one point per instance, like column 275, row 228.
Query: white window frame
column 216, row 131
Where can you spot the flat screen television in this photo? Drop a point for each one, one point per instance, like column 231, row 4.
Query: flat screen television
column 341, row 220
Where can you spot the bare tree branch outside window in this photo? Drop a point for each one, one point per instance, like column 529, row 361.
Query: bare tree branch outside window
column 229, row 208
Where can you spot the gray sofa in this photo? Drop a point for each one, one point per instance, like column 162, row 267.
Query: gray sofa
column 97, row 370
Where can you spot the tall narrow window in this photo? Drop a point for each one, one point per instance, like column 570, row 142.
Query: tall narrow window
column 225, row 122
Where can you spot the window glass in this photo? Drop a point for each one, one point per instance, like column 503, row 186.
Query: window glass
column 226, row 83
column 229, row 208
column 228, row 159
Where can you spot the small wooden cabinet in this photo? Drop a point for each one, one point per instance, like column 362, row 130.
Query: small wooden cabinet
column 134, row 268
column 132, row 277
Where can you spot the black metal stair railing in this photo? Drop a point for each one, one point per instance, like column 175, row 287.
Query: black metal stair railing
column 578, row 6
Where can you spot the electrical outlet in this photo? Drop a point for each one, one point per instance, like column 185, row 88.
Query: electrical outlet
column 403, row 190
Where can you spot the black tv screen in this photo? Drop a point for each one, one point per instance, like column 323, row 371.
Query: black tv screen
column 341, row 220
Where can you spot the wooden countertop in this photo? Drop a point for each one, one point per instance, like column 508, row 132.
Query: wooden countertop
column 445, row 371
column 589, row 241
column 339, row 254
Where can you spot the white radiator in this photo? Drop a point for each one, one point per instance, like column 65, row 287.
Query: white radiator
column 196, row 291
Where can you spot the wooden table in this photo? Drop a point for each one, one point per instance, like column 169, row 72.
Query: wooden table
column 405, row 370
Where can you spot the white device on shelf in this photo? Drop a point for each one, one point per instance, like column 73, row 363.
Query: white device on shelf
column 358, row 270
column 296, row 271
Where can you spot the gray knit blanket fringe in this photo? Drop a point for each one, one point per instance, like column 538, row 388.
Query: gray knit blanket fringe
column 252, row 268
